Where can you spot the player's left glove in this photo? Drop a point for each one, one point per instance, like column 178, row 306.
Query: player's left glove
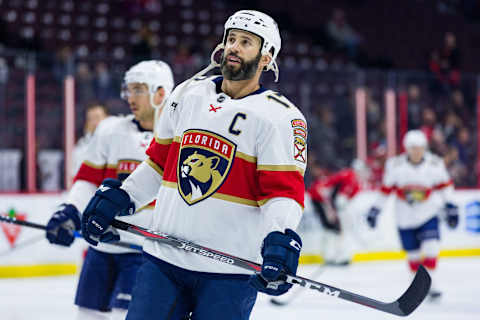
column 280, row 252
column 451, row 213
column 62, row 225
column 109, row 201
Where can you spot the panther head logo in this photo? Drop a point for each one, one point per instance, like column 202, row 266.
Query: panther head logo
column 201, row 173
column 204, row 162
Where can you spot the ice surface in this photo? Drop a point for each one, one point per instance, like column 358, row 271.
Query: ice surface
column 52, row 298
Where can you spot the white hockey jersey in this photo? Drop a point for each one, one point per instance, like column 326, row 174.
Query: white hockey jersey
column 421, row 190
column 80, row 150
column 232, row 172
column 116, row 148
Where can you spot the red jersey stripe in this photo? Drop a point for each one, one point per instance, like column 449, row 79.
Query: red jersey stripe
column 288, row 184
column 90, row 174
column 387, row 190
column 95, row 175
column 442, row 185
column 158, row 153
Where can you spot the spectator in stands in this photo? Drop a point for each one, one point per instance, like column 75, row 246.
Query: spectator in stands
column 63, row 63
column 103, row 82
column 344, row 36
column 429, row 122
column 464, row 146
column 84, row 82
column 143, row 47
column 445, row 65
column 415, row 106
column 451, row 125
column 183, row 58
column 323, row 137
column 458, row 105
column 438, row 143
column 457, row 170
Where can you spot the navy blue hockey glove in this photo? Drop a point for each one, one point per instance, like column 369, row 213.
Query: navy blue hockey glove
column 372, row 217
column 109, row 201
column 451, row 212
column 63, row 224
column 280, row 252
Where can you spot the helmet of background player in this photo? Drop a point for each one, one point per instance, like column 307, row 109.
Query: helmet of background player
column 154, row 74
column 415, row 143
column 261, row 25
column 414, row 138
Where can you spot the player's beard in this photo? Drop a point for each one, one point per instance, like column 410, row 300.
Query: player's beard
column 246, row 70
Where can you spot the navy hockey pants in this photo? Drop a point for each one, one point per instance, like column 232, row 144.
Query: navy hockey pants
column 107, row 280
column 167, row 292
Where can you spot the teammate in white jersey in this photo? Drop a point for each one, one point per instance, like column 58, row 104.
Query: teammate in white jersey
column 423, row 189
column 226, row 167
column 117, row 148
column 94, row 114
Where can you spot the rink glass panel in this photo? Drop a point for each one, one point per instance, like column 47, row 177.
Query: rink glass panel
column 325, row 96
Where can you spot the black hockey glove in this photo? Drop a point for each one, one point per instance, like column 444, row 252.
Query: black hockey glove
column 280, row 252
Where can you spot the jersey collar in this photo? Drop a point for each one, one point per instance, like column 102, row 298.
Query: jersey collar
column 139, row 127
column 218, row 87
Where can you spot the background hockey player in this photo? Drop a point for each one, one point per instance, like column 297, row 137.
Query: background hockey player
column 422, row 188
column 229, row 156
column 94, row 114
column 331, row 196
column 116, row 149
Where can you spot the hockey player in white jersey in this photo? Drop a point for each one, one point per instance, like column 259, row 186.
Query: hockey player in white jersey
column 117, row 148
column 226, row 168
column 423, row 190
column 94, row 114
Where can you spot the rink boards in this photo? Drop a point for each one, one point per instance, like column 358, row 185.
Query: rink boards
column 25, row 252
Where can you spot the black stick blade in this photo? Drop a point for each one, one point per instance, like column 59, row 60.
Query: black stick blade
column 278, row 302
column 416, row 293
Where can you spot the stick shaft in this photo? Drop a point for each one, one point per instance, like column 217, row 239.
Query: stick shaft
column 405, row 305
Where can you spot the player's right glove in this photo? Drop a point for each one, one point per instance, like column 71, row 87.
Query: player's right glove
column 63, row 224
column 109, row 201
column 280, row 252
column 372, row 216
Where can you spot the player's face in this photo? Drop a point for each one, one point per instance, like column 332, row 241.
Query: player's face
column 241, row 56
column 94, row 116
column 138, row 98
column 415, row 154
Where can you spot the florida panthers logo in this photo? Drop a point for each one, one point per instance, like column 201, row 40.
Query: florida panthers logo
column 205, row 159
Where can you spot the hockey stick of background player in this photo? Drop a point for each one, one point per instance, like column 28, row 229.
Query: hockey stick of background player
column 23, row 244
column 403, row 306
column 77, row 234
column 318, row 271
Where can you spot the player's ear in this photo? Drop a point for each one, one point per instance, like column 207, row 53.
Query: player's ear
column 159, row 96
column 264, row 61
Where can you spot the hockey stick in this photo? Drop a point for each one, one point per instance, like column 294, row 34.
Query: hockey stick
column 77, row 234
column 318, row 271
column 23, row 244
column 403, row 306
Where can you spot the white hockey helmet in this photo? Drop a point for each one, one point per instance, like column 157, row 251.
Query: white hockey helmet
column 153, row 73
column 261, row 25
column 414, row 138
